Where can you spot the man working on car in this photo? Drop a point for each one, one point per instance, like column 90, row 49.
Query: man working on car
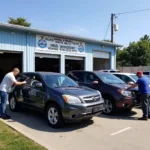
column 144, row 89
column 5, row 88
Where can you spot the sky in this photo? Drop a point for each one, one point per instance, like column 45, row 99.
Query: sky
column 88, row 18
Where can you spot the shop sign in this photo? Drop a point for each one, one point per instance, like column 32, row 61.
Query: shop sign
column 48, row 43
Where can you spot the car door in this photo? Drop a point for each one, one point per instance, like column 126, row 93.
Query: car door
column 22, row 91
column 37, row 94
column 91, row 81
column 77, row 77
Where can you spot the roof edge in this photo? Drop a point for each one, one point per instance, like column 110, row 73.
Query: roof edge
column 63, row 35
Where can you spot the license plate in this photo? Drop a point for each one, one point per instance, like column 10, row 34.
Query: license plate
column 97, row 108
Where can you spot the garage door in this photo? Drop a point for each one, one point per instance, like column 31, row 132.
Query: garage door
column 73, row 63
column 101, row 60
column 74, row 58
column 100, row 54
column 8, row 61
column 47, row 63
column 46, row 56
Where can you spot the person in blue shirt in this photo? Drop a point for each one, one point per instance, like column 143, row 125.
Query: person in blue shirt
column 144, row 90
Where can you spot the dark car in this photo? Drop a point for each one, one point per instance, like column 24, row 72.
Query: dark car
column 110, row 87
column 58, row 96
column 131, row 79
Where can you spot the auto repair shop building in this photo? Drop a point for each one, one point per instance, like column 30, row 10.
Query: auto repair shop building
column 38, row 50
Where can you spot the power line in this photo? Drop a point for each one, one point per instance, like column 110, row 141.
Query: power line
column 135, row 11
column 128, row 12
column 107, row 29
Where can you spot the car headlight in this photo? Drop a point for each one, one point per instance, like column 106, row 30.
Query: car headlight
column 126, row 93
column 99, row 93
column 71, row 99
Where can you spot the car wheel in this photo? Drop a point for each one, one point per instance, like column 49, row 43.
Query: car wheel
column 109, row 106
column 54, row 116
column 129, row 109
column 13, row 105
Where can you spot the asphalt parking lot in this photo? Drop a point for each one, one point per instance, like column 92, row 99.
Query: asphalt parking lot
column 117, row 132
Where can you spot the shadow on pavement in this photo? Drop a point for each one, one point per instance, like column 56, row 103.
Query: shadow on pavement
column 37, row 121
column 121, row 115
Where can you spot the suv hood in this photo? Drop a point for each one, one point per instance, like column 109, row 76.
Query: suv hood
column 122, row 86
column 78, row 91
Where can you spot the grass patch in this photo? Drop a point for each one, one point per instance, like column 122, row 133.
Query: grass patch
column 12, row 140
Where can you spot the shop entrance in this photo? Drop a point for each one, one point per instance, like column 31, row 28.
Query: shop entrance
column 47, row 63
column 101, row 60
column 73, row 63
column 8, row 61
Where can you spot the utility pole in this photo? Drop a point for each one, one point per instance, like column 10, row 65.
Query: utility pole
column 112, row 27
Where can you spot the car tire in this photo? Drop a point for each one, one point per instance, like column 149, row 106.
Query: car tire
column 109, row 106
column 54, row 116
column 87, row 119
column 129, row 109
column 13, row 104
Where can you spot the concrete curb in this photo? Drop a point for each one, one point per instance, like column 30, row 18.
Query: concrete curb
column 26, row 134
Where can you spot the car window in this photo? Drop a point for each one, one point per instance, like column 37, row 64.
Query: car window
column 146, row 73
column 34, row 80
column 134, row 77
column 77, row 76
column 105, row 71
column 125, row 78
column 118, row 75
column 90, row 77
column 114, row 71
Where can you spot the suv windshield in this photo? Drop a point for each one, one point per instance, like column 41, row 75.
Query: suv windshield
column 109, row 78
column 55, row 81
column 134, row 77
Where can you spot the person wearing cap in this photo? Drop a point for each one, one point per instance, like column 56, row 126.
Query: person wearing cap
column 144, row 90
column 5, row 88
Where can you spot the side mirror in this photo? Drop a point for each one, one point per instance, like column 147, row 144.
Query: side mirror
column 38, row 85
column 95, row 82
column 130, row 83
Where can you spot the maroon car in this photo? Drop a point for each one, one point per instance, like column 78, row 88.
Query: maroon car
column 110, row 87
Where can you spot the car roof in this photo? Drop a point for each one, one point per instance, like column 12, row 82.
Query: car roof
column 89, row 71
column 43, row 73
column 122, row 73
column 109, row 70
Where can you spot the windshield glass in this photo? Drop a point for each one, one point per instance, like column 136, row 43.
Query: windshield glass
column 110, row 78
column 134, row 77
column 59, row 80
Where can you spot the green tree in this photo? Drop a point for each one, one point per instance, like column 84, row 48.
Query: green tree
column 136, row 54
column 19, row 21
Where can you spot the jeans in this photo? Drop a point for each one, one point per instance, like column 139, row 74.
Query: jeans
column 4, row 98
column 145, row 100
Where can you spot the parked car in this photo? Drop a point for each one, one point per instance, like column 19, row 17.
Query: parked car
column 129, row 78
column 109, row 71
column 110, row 86
column 58, row 96
column 146, row 73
